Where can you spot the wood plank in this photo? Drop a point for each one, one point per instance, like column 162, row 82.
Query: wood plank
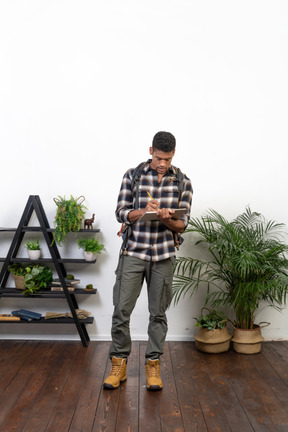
column 12, row 356
column 271, row 407
column 248, row 396
column 21, row 411
column 218, row 371
column 107, row 409
column 71, row 391
column 213, row 413
column 85, row 411
column 272, row 379
column 149, row 418
column 47, row 400
column 60, row 421
column 127, row 417
column 9, row 398
column 275, row 361
column 169, row 409
column 193, row 419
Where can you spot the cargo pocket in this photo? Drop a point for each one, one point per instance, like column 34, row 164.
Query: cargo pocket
column 116, row 288
column 167, row 288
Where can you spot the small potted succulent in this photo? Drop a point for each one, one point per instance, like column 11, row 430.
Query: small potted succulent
column 89, row 288
column 33, row 248
column 91, row 248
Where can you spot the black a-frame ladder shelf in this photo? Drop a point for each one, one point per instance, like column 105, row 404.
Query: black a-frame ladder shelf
column 34, row 204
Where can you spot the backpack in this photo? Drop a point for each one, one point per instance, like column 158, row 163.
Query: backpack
column 126, row 230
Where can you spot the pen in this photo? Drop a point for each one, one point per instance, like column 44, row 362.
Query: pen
column 149, row 195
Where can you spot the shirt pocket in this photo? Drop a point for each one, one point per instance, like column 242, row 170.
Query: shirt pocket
column 169, row 196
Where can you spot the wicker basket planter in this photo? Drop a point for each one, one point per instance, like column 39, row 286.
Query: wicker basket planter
column 213, row 341
column 248, row 341
column 19, row 282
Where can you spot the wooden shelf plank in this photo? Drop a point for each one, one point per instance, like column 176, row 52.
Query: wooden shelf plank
column 50, row 260
column 13, row 292
column 42, row 320
column 38, row 228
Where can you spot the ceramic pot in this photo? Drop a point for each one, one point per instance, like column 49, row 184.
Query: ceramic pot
column 90, row 256
column 34, row 254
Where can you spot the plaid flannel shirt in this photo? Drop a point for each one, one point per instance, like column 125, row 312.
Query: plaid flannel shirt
column 152, row 240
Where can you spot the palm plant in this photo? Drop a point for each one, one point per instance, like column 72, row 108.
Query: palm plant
column 247, row 264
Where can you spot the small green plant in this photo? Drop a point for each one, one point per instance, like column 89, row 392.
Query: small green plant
column 31, row 245
column 91, row 245
column 212, row 320
column 17, row 269
column 68, row 217
column 70, row 276
column 89, row 287
column 37, row 277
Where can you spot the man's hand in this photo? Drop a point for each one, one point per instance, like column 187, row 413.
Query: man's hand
column 152, row 206
column 165, row 214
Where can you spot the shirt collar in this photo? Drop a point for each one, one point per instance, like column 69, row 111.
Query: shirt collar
column 147, row 167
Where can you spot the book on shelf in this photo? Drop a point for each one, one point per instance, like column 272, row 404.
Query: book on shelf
column 26, row 314
column 67, row 281
column 60, row 288
column 9, row 317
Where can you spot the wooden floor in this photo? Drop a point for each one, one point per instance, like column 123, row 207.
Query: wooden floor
column 57, row 386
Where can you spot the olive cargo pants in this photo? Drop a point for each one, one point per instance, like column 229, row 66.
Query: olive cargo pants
column 130, row 275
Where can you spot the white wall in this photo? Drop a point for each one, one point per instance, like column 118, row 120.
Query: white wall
column 84, row 86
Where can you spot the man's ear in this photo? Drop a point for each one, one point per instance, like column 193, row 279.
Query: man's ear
column 151, row 150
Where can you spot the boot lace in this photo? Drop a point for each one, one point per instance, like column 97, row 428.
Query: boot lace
column 116, row 369
column 154, row 370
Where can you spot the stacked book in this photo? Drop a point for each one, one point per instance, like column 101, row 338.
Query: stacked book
column 26, row 315
column 70, row 283
column 9, row 317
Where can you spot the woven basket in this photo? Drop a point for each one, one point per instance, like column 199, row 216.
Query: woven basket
column 248, row 341
column 212, row 341
column 19, row 282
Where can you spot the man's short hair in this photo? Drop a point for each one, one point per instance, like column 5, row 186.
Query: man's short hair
column 164, row 141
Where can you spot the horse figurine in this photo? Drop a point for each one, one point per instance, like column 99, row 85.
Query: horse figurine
column 89, row 222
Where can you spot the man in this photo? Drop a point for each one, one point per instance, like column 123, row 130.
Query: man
column 148, row 253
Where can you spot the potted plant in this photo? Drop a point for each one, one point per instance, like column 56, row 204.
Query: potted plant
column 30, row 278
column 91, row 248
column 69, row 215
column 89, row 287
column 246, row 268
column 212, row 335
column 37, row 277
column 33, row 249
column 18, row 270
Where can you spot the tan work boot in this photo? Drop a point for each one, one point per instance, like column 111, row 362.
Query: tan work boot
column 117, row 375
column 153, row 378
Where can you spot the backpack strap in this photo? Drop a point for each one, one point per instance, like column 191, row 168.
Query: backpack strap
column 135, row 180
